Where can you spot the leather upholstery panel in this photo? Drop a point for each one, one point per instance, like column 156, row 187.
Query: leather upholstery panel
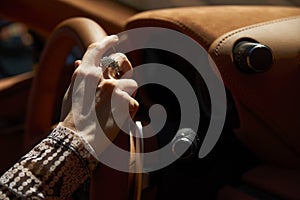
column 207, row 23
column 268, row 103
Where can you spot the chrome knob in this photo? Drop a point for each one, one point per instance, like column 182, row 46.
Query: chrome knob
column 185, row 143
column 252, row 57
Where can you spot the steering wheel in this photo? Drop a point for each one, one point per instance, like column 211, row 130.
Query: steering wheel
column 49, row 86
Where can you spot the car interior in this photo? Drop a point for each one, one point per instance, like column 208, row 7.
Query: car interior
column 255, row 46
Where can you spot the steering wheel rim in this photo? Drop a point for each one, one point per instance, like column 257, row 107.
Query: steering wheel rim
column 81, row 32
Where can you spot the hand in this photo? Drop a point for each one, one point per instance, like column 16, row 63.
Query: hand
column 88, row 99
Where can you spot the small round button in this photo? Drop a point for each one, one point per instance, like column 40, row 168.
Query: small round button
column 252, row 57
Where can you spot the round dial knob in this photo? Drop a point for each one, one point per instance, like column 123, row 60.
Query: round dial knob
column 185, row 143
column 252, row 57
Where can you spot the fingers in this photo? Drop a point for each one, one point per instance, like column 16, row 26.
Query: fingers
column 77, row 63
column 94, row 54
column 128, row 85
column 109, row 85
column 95, row 51
column 125, row 66
column 127, row 89
column 122, row 99
column 120, row 93
column 90, row 63
column 109, row 88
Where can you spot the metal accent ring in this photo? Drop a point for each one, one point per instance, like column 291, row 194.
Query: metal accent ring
column 109, row 62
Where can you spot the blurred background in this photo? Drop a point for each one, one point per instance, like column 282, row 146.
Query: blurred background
column 20, row 47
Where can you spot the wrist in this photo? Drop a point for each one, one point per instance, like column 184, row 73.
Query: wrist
column 68, row 122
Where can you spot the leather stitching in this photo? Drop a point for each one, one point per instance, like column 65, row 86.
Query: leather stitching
column 216, row 51
column 242, row 92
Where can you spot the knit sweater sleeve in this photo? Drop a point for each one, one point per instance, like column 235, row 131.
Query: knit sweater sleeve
column 53, row 169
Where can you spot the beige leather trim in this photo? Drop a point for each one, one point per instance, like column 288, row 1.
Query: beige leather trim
column 207, row 23
column 271, row 97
